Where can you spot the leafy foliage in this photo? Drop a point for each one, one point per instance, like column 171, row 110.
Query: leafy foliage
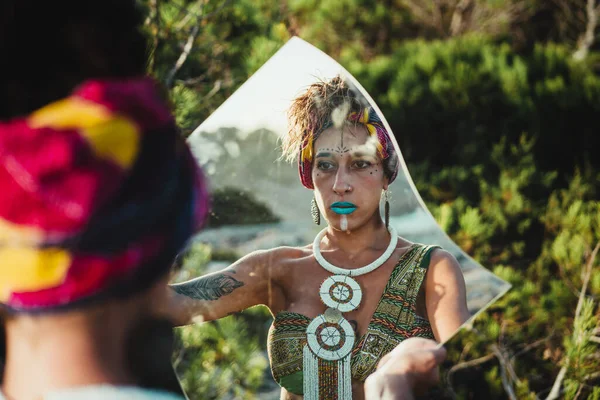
column 218, row 360
column 498, row 122
column 231, row 206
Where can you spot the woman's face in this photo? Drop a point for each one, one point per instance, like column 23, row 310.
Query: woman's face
column 348, row 176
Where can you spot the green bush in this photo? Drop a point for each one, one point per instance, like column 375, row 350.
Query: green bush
column 233, row 206
column 220, row 359
column 502, row 148
column 450, row 102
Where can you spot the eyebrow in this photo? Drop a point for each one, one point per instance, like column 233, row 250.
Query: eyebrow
column 361, row 154
column 323, row 154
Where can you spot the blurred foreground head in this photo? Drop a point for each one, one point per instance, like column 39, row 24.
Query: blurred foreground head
column 98, row 192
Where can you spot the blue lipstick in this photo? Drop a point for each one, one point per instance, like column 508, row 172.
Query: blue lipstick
column 343, row 207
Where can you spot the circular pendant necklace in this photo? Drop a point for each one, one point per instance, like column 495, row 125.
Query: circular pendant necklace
column 330, row 336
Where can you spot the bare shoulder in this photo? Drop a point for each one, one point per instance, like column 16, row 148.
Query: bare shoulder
column 404, row 244
column 277, row 257
column 444, row 271
column 442, row 262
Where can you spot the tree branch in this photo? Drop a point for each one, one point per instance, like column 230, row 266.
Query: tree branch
column 591, row 376
column 155, row 6
column 200, row 17
column 507, row 382
column 463, row 365
column 426, row 13
column 586, row 279
column 532, row 346
column 183, row 56
column 578, row 392
column 587, row 39
column 459, row 17
column 187, row 48
column 555, row 392
column 193, row 81
column 470, row 363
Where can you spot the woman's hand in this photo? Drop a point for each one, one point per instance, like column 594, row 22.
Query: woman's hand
column 411, row 367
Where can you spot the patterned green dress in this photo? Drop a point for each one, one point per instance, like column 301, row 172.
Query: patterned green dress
column 394, row 320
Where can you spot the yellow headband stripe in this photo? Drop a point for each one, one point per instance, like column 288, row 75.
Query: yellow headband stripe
column 111, row 137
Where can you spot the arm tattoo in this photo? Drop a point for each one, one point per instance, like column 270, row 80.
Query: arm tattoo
column 208, row 288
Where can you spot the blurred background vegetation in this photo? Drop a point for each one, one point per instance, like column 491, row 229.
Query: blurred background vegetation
column 496, row 107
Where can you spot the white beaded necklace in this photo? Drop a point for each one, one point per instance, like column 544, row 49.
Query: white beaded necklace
column 358, row 271
column 330, row 337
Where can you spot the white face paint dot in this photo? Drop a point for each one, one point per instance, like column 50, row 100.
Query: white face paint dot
column 344, row 223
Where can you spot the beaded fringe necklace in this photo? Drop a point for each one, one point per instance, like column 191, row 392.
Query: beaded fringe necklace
column 330, row 337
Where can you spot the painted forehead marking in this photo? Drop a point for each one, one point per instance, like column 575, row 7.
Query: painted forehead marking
column 369, row 148
column 358, row 151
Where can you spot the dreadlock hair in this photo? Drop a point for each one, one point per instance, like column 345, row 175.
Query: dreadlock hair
column 323, row 102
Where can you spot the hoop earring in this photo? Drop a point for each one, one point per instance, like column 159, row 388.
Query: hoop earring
column 315, row 212
column 386, row 196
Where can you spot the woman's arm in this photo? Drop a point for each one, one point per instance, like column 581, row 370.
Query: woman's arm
column 250, row 281
column 445, row 295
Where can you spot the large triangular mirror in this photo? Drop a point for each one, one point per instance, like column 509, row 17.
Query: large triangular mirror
column 260, row 203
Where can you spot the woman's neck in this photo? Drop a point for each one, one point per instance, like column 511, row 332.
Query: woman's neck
column 371, row 236
column 58, row 353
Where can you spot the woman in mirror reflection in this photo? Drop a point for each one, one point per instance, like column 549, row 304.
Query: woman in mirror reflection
column 343, row 302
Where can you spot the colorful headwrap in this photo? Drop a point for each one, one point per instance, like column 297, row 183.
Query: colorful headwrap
column 98, row 193
column 367, row 117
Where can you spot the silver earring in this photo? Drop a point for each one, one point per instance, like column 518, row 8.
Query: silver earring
column 314, row 211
